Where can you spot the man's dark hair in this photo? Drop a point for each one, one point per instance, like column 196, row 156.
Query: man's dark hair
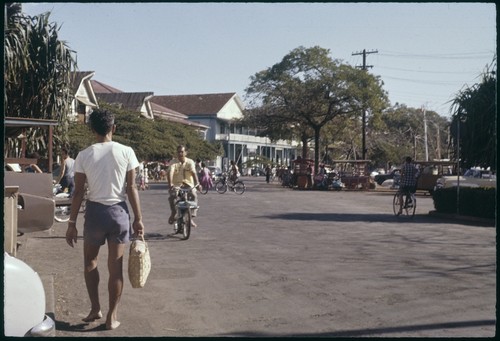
column 408, row 159
column 101, row 121
column 65, row 150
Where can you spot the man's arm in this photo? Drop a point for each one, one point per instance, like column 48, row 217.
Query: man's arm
column 133, row 198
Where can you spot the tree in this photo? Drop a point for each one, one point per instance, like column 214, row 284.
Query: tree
column 298, row 96
column 38, row 67
column 151, row 140
column 399, row 132
column 475, row 112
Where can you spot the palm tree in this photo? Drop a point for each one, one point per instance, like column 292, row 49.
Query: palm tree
column 38, row 69
column 473, row 124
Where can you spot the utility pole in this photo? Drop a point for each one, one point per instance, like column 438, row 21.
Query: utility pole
column 363, row 127
column 425, row 135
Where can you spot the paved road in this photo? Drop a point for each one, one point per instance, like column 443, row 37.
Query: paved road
column 281, row 262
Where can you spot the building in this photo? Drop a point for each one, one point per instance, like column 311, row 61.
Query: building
column 221, row 113
column 215, row 117
column 85, row 100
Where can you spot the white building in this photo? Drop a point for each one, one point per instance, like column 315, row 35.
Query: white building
column 220, row 113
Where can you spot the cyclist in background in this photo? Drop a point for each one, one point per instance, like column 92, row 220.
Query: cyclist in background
column 408, row 182
column 234, row 172
column 182, row 172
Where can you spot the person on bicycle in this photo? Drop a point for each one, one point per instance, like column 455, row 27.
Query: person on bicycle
column 181, row 173
column 234, row 172
column 409, row 176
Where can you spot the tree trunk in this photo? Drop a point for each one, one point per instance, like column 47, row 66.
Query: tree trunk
column 316, row 148
column 304, row 146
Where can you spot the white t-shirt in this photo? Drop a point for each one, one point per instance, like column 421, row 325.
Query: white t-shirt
column 105, row 166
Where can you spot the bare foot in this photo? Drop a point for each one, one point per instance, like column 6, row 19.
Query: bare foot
column 112, row 325
column 193, row 224
column 92, row 317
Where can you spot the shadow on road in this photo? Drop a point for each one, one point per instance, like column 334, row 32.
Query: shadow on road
column 375, row 331
column 370, row 217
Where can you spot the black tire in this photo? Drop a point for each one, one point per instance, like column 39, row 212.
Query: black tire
column 239, row 187
column 186, row 232
column 410, row 211
column 179, row 225
column 61, row 213
column 396, row 204
column 220, row 187
column 204, row 190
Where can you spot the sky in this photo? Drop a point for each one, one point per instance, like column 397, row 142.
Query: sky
column 425, row 53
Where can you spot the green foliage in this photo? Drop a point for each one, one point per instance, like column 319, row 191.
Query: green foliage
column 151, row 140
column 475, row 202
column 475, row 109
column 38, row 67
column 297, row 97
column 399, row 132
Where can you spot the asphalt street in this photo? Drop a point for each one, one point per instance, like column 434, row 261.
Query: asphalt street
column 276, row 262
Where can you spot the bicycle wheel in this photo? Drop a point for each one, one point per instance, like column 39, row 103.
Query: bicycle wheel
column 239, row 187
column 204, row 189
column 61, row 213
column 220, row 187
column 410, row 210
column 396, row 204
column 187, row 225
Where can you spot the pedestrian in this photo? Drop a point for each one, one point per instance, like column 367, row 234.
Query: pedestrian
column 146, row 177
column 268, row 173
column 309, row 174
column 205, row 177
column 182, row 173
column 66, row 178
column 140, row 176
column 110, row 170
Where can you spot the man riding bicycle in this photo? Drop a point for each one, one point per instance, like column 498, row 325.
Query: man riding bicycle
column 408, row 182
column 182, row 172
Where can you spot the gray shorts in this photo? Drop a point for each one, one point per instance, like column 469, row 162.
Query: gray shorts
column 103, row 222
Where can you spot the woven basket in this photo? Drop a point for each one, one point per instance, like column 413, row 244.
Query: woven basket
column 139, row 263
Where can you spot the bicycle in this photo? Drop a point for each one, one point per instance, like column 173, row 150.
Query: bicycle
column 222, row 185
column 63, row 203
column 184, row 212
column 404, row 202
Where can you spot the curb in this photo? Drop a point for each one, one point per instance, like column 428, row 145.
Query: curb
column 453, row 216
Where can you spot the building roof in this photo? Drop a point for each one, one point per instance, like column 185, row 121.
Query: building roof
column 201, row 104
column 77, row 78
column 174, row 116
column 103, row 88
column 126, row 100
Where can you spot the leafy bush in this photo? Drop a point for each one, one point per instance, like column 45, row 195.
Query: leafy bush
column 151, row 140
column 475, row 202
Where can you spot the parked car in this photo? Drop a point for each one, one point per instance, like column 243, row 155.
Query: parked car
column 380, row 178
column 36, row 205
column 24, row 301
column 473, row 177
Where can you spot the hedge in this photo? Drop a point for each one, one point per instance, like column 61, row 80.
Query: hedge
column 475, row 202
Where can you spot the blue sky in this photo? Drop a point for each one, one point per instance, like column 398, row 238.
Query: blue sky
column 427, row 52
